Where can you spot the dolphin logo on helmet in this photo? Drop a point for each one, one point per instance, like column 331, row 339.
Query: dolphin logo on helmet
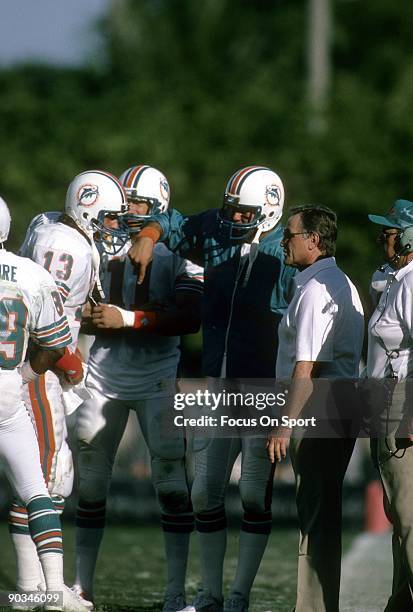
column 88, row 195
column 93, row 196
column 255, row 189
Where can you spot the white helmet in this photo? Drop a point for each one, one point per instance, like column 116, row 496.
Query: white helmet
column 5, row 220
column 92, row 196
column 145, row 184
column 252, row 189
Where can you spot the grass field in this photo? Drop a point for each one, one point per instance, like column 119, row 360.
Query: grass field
column 130, row 573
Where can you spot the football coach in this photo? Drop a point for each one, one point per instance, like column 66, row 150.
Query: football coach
column 320, row 336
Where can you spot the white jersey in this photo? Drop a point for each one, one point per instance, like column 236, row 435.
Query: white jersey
column 30, row 306
column 67, row 255
column 127, row 364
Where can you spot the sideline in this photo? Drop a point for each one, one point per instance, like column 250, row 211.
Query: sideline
column 366, row 575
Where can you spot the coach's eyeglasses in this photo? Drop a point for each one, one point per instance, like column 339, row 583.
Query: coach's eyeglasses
column 287, row 235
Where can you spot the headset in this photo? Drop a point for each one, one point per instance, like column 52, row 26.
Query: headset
column 404, row 241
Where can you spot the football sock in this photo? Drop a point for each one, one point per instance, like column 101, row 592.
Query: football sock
column 90, row 523
column 176, row 530
column 44, row 527
column 29, row 568
column 212, row 535
column 28, row 565
column 254, row 534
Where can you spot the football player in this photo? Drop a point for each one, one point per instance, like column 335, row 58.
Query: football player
column 30, row 306
column 246, row 287
column 64, row 244
column 135, row 368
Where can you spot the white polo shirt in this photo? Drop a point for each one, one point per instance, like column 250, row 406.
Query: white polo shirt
column 324, row 322
column 378, row 283
column 392, row 322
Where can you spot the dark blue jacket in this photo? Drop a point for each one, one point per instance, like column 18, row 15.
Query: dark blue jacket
column 249, row 335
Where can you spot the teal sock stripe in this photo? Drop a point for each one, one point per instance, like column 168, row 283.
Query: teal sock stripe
column 59, row 503
column 20, row 529
column 44, row 525
column 18, row 520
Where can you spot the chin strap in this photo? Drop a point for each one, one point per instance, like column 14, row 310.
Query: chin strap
column 96, row 277
column 252, row 255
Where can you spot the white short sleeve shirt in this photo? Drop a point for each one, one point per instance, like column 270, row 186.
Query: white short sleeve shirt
column 324, row 322
column 391, row 328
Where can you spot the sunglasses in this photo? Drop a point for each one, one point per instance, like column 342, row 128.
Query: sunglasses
column 384, row 236
column 287, row 235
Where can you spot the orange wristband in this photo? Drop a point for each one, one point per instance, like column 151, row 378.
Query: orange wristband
column 150, row 232
column 70, row 364
column 145, row 320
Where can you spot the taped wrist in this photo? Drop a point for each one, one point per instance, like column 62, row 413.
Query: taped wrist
column 150, row 232
column 70, row 364
column 138, row 319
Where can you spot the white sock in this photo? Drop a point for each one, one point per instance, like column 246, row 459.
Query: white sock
column 52, row 564
column 29, row 569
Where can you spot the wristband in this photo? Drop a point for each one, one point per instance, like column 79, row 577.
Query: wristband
column 138, row 319
column 150, row 232
column 70, row 364
column 27, row 373
column 144, row 320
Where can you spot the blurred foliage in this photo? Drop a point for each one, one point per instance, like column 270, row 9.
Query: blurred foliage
column 199, row 89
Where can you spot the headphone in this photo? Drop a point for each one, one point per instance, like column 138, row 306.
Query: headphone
column 404, row 241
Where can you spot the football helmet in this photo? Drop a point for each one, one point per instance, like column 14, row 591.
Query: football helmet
column 145, row 184
column 253, row 189
column 93, row 197
column 5, row 220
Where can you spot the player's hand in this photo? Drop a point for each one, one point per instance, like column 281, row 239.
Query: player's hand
column 140, row 255
column 70, row 366
column 278, row 443
column 87, row 310
column 105, row 316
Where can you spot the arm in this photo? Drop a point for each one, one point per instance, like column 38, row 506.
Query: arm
column 313, row 313
column 50, row 333
column 40, row 360
column 404, row 309
column 183, row 235
column 183, row 318
column 61, row 359
column 300, row 391
column 141, row 250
